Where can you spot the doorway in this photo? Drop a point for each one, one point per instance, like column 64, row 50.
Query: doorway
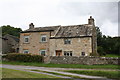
column 58, row 52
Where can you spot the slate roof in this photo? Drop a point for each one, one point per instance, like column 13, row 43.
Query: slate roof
column 15, row 38
column 65, row 31
column 74, row 31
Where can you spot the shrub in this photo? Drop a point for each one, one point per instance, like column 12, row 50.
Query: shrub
column 23, row 57
column 94, row 54
column 101, row 51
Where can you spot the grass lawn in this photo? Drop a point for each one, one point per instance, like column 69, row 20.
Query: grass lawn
column 108, row 74
column 10, row 73
column 64, row 65
column 76, row 77
column 111, row 55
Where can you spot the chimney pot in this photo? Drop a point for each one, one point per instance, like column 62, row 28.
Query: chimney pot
column 31, row 26
column 91, row 21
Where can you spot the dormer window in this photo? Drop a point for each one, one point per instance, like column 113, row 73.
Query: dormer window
column 43, row 38
column 26, row 39
column 67, row 41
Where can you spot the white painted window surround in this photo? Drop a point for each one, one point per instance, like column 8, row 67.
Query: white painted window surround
column 43, row 52
column 26, row 51
column 26, row 39
column 43, row 38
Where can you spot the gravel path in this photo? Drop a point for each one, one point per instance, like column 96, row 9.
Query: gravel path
column 29, row 68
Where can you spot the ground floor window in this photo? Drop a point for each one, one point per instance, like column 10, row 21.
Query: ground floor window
column 26, row 51
column 67, row 53
column 42, row 52
column 83, row 53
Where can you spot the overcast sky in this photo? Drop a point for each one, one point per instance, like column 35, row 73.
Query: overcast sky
column 20, row 13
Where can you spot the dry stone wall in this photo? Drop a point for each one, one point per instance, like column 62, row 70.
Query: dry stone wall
column 83, row 60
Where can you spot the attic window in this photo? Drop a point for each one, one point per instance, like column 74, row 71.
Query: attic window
column 67, row 41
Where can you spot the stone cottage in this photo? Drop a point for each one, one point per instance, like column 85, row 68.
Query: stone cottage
column 72, row 40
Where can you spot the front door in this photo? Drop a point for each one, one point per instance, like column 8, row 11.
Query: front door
column 58, row 52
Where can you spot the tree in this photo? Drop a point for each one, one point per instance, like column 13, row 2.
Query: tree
column 99, row 36
column 107, row 44
column 10, row 30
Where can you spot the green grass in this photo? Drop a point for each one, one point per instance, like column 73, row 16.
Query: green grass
column 76, row 77
column 10, row 73
column 111, row 55
column 108, row 74
column 64, row 65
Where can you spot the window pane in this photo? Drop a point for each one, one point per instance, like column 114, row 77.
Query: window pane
column 43, row 38
column 67, row 41
column 67, row 54
column 70, row 53
column 83, row 53
column 43, row 52
column 26, row 38
column 25, row 51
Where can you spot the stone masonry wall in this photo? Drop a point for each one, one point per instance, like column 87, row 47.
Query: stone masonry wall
column 77, row 46
column 34, row 46
column 83, row 60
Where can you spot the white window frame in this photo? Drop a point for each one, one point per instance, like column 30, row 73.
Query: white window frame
column 42, row 37
column 68, row 53
column 43, row 50
column 25, row 38
column 67, row 41
column 26, row 50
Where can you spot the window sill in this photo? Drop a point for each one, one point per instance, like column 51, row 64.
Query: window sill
column 26, row 43
column 44, row 42
column 67, row 44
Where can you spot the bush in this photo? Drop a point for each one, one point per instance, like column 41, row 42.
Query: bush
column 23, row 57
column 101, row 51
column 94, row 54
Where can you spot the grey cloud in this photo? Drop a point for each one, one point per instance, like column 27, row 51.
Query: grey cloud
column 45, row 12
column 101, row 10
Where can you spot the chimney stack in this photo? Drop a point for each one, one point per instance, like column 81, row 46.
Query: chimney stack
column 31, row 26
column 91, row 21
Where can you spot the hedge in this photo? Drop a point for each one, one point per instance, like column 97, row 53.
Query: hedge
column 23, row 57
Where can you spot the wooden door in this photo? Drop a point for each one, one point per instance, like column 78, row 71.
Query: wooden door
column 58, row 52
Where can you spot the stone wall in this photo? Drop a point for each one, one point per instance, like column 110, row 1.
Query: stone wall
column 34, row 46
column 77, row 46
column 83, row 60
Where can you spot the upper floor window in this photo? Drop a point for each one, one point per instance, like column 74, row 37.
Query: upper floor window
column 42, row 52
column 67, row 41
column 26, row 39
column 67, row 53
column 43, row 38
column 25, row 51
